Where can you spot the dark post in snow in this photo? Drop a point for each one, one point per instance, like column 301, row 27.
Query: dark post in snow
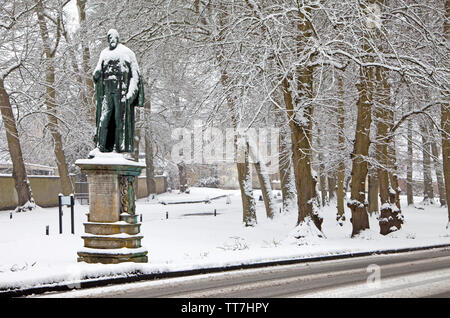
column 60, row 213
column 72, row 221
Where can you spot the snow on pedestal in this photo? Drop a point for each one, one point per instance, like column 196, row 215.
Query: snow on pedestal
column 112, row 231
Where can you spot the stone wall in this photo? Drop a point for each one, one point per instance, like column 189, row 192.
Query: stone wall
column 8, row 194
column 160, row 184
column 45, row 190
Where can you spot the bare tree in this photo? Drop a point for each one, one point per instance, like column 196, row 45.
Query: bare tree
column 50, row 96
column 21, row 183
column 13, row 31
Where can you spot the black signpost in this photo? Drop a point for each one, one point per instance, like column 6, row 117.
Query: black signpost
column 68, row 200
column 60, row 196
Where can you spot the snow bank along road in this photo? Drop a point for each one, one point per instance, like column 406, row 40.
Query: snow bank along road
column 414, row 274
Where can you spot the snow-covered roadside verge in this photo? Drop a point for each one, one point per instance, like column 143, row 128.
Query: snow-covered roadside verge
column 128, row 273
column 192, row 240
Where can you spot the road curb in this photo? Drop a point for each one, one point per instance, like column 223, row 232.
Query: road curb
column 136, row 276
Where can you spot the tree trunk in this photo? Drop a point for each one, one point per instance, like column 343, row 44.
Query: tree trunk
column 439, row 174
column 149, row 153
column 284, row 164
column 266, row 190
column 322, row 177
column 393, row 178
column 15, row 151
column 409, row 167
column 301, row 149
column 245, row 181
column 264, row 183
column 390, row 214
column 301, row 130
column 77, row 74
column 86, row 58
column 150, row 169
column 357, row 203
column 428, row 195
column 137, row 143
column 331, row 187
column 445, row 123
column 50, row 102
column 341, row 188
column 182, row 176
column 248, row 201
column 243, row 165
column 373, row 193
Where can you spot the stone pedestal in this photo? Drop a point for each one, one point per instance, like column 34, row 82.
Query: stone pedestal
column 112, row 229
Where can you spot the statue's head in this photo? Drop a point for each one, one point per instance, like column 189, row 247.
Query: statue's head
column 113, row 38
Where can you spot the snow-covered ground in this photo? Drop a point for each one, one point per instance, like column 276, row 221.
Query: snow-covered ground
column 192, row 237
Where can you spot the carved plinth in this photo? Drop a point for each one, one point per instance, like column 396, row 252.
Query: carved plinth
column 112, row 230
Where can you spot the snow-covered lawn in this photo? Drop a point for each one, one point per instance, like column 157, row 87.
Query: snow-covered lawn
column 192, row 237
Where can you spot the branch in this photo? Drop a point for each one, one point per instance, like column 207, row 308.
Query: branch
column 5, row 73
column 15, row 18
column 407, row 115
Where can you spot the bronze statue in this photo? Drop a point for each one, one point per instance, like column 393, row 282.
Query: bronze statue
column 118, row 90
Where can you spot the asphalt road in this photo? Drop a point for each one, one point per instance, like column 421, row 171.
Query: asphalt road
column 423, row 273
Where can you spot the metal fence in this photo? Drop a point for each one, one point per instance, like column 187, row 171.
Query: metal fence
column 82, row 192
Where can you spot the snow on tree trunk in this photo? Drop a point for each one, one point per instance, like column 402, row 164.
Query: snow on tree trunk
column 245, row 183
column 284, row 164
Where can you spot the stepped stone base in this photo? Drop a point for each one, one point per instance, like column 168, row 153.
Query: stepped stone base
column 112, row 258
column 112, row 231
column 112, row 228
column 111, row 241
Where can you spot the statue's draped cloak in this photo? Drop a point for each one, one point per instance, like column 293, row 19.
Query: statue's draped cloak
column 126, row 106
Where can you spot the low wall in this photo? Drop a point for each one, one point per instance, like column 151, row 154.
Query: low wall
column 160, row 185
column 8, row 194
column 45, row 190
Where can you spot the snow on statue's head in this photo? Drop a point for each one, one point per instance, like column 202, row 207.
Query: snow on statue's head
column 113, row 38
